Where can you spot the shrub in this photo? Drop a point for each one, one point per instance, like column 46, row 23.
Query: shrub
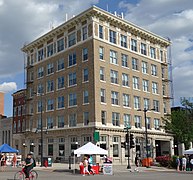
column 164, row 161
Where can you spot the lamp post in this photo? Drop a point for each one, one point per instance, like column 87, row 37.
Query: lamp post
column 146, row 137
column 128, row 145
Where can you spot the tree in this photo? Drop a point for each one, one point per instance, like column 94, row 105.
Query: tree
column 180, row 123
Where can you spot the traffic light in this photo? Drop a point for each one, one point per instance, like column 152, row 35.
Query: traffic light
column 126, row 138
column 132, row 142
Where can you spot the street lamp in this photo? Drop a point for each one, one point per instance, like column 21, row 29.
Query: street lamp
column 146, row 138
column 128, row 144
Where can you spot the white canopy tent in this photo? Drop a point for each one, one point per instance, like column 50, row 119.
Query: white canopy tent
column 189, row 151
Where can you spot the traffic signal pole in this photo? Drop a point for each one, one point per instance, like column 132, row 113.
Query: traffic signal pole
column 128, row 148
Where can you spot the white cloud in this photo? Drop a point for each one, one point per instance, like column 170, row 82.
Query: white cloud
column 8, row 87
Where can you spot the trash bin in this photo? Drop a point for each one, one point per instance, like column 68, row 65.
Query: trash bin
column 47, row 161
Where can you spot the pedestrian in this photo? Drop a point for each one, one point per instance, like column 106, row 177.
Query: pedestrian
column 14, row 160
column 85, row 163
column 90, row 163
column 3, row 162
column 136, row 163
column 184, row 162
column 178, row 163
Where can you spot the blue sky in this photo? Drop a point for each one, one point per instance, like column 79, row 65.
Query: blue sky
column 31, row 19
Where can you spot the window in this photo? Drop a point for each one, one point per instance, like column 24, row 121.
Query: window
column 85, row 75
column 137, row 120
column 145, row 85
column 146, row 103
column 134, row 45
column 60, row 82
column 123, row 41
column 100, row 31
column 50, row 50
column 136, row 102
column 154, row 88
column 156, row 105
column 124, row 59
column 127, row 120
column 72, row 120
column 72, row 79
column 125, row 80
column 143, row 49
column 72, row 59
column 85, row 54
column 50, row 85
column 126, row 100
column 39, row 124
column 71, row 39
column 115, row 119
column 163, row 72
column 114, row 77
column 40, row 72
column 164, row 89
column 60, row 121
column 39, row 106
column 102, row 73
column 113, row 57
column 86, row 118
column 112, row 36
column 60, row 102
column 60, row 45
column 153, row 70
column 60, row 64
column 115, row 146
column 50, row 68
column 156, row 124
column 50, row 104
column 40, row 54
column 161, row 55
column 144, row 67
column 50, row 122
column 135, row 82
column 135, row 64
column 114, row 98
column 101, row 53
column 165, row 107
column 72, row 99
column 84, row 33
column 103, row 117
column 148, row 122
column 50, row 149
column 103, row 96
column 61, row 148
column 85, row 97
column 152, row 53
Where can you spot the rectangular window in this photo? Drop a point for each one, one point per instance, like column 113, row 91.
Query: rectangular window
column 72, row 79
column 50, row 68
column 61, row 148
column 161, row 55
column 114, row 77
column 72, row 120
column 115, row 119
column 85, row 54
column 39, row 106
column 137, row 120
column 136, row 102
column 50, row 104
column 40, row 72
column 145, row 85
column 72, row 59
column 103, row 96
column 101, row 53
column 163, row 72
column 102, row 73
column 115, row 150
column 100, row 31
column 134, row 45
column 60, row 82
column 135, row 64
column 148, row 122
column 153, row 70
column 84, row 33
column 164, row 89
column 72, row 99
column 156, row 124
column 112, row 36
column 71, row 39
column 50, row 50
column 85, row 75
column 85, row 97
column 60, row 45
column 103, row 117
column 152, row 53
column 156, row 105
column 50, row 149
column 135, row 82
column 125, row 80
column 50, row 85
column 60, row 102
column 114, row 98
column 113, row 57
column 127, row 120
column 60, row 64
column 154, row 88
column 123, row 41
column 40, row 54
column 126, row 100
column 146, row 103
column 86, row 118
column 124, row 59
column 165, row 107
column 144, row 67
column 50, row 122
column 39, row 123
column 143, row 49
column 60, row 121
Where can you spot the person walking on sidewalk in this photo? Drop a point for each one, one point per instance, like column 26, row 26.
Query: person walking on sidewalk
column 85, row 163
column 136, row 163
column 184, row 162
column 178, row 163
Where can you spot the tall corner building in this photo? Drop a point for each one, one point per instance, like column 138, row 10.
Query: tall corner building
column 93, row 76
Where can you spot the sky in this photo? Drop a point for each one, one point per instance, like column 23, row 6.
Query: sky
column 22, row 21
